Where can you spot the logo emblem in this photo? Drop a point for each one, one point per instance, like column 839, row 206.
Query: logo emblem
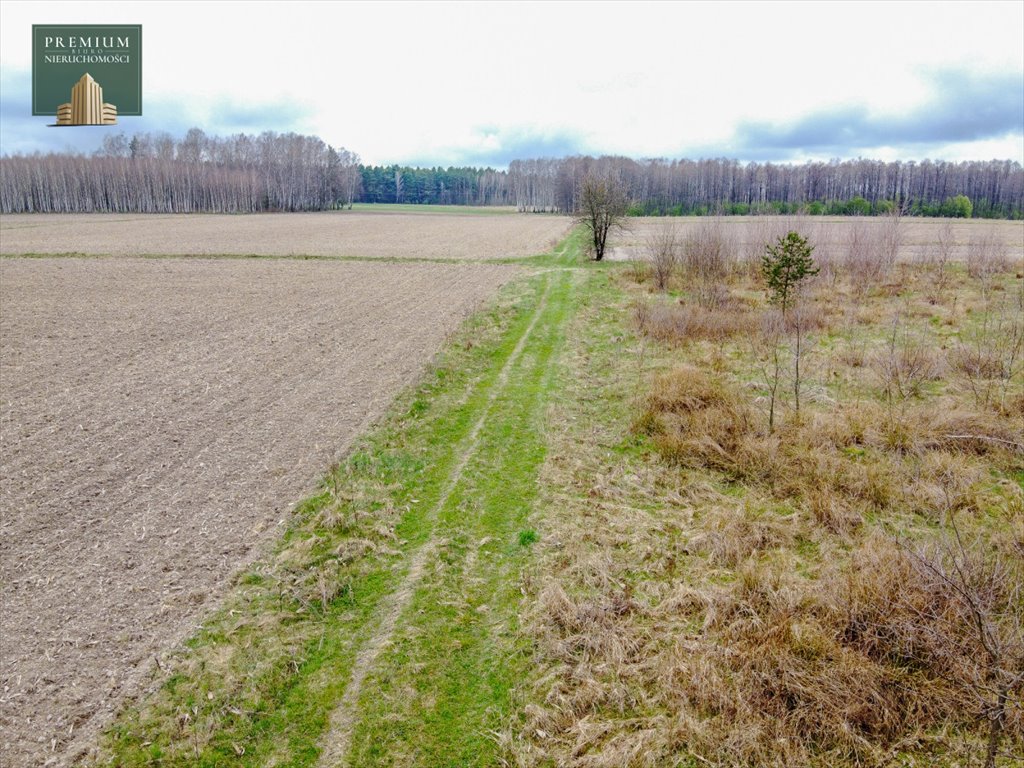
column 98, row 65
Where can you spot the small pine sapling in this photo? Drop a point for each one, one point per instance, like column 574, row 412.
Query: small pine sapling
column 785, row 265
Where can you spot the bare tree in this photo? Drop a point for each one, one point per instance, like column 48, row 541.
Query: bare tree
column 663, row 248
column 706, row 262
column 602, row 208
column 398, row 186
column 891, row 237
column 935, row 260
column 114, row 145
column 351, row 180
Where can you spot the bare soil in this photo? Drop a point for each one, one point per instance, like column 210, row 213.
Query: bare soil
column 827, row 233
column 335, row 233
column 159, row 419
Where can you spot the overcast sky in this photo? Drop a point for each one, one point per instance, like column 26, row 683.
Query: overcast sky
column 484, row 83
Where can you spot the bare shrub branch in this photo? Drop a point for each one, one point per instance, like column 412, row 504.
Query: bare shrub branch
column 935, row 260
column 706, row 253
column 989, row 355
column 663, row 249
column 867, row 256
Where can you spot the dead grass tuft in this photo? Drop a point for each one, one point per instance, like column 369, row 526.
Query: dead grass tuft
column 696, row 419
column 682, row 324
column 732, row 534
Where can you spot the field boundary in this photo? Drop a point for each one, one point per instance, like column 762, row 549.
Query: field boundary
column 259, row 682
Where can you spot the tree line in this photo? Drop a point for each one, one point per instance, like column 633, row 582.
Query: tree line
column 156, row 173
column 438, row 186
column 990, row 189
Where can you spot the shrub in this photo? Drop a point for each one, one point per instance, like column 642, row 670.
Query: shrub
column 986, row 256
column 935, row 260
column 959, row 207
column 706, row 262
column 866, row 256
column 663, row 249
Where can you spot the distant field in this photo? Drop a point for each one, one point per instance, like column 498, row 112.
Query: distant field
column 389, row 232
column 830, row 234
column 433, row 210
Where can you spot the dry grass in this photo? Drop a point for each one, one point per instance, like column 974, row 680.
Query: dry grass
column 867, row 655
column 832, row 234
column 679, row 324
column 844, row 589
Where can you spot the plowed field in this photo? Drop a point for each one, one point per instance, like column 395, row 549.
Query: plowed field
column 339, row 233
column 159, row 419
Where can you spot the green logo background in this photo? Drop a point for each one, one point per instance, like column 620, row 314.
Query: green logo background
column 121, row 82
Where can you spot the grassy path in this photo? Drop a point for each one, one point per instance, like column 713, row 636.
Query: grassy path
column 455, row 510
column 383, row 629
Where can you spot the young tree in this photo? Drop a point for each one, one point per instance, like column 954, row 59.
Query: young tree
column 785, row 265
column 770, row 353
column 663, row 247
column 706, row 262
column 602, row 207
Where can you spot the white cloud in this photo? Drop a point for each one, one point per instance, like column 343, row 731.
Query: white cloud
column 424, row 81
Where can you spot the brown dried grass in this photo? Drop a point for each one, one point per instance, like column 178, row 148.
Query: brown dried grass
column 831, row 235
column 682, row 324
column 873, row 655
column 789, row 598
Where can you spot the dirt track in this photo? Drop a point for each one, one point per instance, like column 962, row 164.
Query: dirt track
column 333, row 233
column 158, row 419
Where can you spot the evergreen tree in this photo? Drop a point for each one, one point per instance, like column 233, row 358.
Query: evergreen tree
column 785, row 265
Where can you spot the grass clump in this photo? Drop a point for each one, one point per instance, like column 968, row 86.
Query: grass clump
column 528, row 537
column 695, row 419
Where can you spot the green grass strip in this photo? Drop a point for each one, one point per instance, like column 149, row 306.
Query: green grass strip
column 257, row 684
column 444, row 687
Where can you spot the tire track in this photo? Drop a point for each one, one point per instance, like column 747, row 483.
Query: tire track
column 338, row 738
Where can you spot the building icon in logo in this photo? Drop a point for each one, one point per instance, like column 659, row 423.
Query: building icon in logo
column 86, row 106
